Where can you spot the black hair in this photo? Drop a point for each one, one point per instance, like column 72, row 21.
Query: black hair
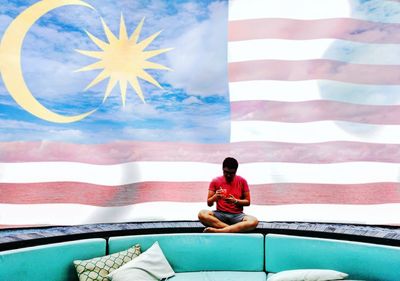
column 230, row 163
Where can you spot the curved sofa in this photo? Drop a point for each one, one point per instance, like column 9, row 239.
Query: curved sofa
column 198, row 256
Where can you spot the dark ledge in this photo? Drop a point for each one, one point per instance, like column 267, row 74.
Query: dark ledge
column 19, row 238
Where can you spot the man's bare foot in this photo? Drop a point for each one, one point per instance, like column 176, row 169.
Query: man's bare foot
column 213, row 230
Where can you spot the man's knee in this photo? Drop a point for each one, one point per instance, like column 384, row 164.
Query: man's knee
column 252, row 221
column 204, row 214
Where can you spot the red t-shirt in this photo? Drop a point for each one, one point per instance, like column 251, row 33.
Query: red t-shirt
column 237, row 188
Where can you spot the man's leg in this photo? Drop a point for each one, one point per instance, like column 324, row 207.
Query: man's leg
column 248, row 223
column 207, row 218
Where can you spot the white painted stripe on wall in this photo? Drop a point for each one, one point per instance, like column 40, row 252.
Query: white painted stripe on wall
column 313, row 10
column 330, row 49
column 313, row 132
column 298, row 91
column 255, row 173
column 294, row 9
column 118, row 174
column 74, row 214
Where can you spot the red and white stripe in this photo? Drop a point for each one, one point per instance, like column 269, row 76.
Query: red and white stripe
column 307, row 155
column 295, row 84
column 100, row 186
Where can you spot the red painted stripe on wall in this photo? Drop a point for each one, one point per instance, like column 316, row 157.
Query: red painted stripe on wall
column 318, row 110
column 246, row 152
column 264, row 194
column 336, row 28
column 313, row 69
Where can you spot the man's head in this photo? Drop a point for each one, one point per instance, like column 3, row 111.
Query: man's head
column 229, row 167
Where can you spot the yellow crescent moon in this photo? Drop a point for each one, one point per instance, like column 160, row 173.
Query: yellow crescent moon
column 10, row 60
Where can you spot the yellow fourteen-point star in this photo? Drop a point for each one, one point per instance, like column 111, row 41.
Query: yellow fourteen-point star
column 123, row 60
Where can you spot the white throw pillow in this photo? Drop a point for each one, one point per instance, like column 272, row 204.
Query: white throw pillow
column 308, row 275
column 150, row 265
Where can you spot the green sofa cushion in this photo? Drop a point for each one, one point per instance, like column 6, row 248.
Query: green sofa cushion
column 359, row 260
column 48, row 262
column 202, row 252
column 219, row 276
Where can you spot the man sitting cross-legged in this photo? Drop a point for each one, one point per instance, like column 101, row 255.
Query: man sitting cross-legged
column 231, row 193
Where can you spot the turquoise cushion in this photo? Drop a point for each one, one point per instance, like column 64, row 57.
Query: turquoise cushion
column 197, row 252
column 48, row 262
column 359, row 260
column 219, row 276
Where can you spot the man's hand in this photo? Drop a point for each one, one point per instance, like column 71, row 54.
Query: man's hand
column 231, row 199
column 220, row 194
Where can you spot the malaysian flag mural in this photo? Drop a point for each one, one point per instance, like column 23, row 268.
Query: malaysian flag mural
column 118, row 111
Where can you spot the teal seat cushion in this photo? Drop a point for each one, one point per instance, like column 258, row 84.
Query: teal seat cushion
column 202, row 252
column 359, row 260
column 48, row 262
column 219, row 276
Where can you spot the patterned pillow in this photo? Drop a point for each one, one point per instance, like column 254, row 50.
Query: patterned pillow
column 97, row 269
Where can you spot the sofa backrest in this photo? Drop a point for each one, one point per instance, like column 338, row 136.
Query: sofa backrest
column 359, row 260
column 198, row 252
column 48, row 262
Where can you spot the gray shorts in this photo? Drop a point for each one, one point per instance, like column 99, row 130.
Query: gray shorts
column 229, row 218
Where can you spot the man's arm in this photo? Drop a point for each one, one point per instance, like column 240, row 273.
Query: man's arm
column 213, row 196
column 245, row 201
column 240, row 202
